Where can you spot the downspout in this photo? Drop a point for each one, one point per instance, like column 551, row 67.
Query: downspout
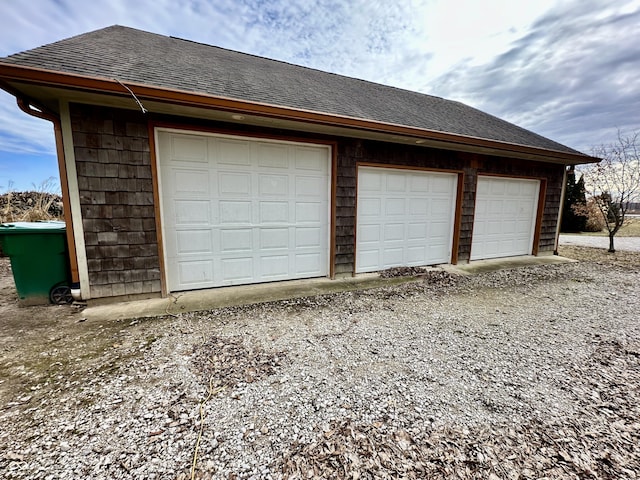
column 37, row 111
column 567, row 168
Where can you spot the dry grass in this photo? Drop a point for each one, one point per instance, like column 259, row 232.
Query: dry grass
column 600, row 256
column 630, row 229
column 13, row 208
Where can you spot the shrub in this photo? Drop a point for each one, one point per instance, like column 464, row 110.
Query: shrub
column 595, row 221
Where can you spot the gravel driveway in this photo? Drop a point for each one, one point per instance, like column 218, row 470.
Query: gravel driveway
column 631, row 244
column 524, row 373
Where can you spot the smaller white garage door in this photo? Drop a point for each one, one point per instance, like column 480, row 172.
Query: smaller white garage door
column 404, row 218
column 505, row 217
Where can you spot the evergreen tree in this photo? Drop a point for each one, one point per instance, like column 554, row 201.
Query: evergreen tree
column 575, row 195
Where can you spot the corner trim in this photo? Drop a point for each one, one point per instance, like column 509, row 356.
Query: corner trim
column 74, row 199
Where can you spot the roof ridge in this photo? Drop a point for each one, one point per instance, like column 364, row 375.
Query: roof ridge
column 284, row 62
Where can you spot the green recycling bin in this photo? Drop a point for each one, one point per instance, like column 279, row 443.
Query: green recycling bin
column 39, row 260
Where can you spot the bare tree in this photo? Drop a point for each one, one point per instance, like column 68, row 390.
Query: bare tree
column 615, row 182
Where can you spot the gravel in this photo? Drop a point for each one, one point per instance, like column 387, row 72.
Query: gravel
column 525, row 373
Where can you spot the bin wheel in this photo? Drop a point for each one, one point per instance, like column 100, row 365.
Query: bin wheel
column 61, row 295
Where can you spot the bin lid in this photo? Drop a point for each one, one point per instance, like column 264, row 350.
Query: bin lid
column 53, row 226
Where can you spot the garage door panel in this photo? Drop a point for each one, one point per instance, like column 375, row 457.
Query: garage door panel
column 273, row 184
column 509, row 228
column 273, row 212
column 369, row 233
column 310, row 159
column 441, row 185
column 505, row 216
column 237, row 240
column 369, row 181
column 188, row 148
column 394, row 232
column 394, row 207
column 417, row 231
column 440, row 208
column 307, row 264
column 399, row 215
column 236, row 221
column 523, row 228
column 191, row 212
column 194, row 241
column 396, row 182
column 393, row 257
column 308, row 237
column 440, row 230
column 191, row 182
column 418, row 206
column 419, row 184
column 274, row 238
column 309, row 212
column 369, row 207
column 234, row 183
column 511, row 209
column 309, row 187
column 234, row 212
column 369, row 259
column 415, row 255
column 273, row 156
column 274, row 267
column 494, row 227
column 234, row 269
column 195, row 272
column 233, row 152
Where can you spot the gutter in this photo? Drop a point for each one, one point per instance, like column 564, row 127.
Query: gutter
column 31, row 108
column 44, row 77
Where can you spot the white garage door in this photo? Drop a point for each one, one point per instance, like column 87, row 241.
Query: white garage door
column 405, row 218
column 238, row 210
column 505, row 217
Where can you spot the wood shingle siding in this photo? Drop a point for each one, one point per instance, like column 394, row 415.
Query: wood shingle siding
column 116, row 192
column 352, row 151
column 116, row 198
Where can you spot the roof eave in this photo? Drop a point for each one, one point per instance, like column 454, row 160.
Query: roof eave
column 11, row 72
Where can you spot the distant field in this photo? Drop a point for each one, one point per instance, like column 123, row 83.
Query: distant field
column 631, row 229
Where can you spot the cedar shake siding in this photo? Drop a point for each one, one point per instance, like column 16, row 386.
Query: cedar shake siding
column 116, row 192
column 116, row 198
column 351, row 151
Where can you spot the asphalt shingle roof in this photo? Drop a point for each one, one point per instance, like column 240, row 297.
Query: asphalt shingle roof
column 131, row 55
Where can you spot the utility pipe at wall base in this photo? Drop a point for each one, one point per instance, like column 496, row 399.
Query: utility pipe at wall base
column 36, row 111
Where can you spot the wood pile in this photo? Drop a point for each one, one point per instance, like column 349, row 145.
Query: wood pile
column 30, row 206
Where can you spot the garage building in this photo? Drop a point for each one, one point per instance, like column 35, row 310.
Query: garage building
column 187, row 166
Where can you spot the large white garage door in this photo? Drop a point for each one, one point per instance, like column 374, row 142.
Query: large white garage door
column 238, row 210
column 405, row 218
column 505, row 217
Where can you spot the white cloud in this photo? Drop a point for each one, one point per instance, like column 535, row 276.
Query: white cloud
column 22, row 133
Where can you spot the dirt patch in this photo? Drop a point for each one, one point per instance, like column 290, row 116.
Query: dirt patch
column 47, row 349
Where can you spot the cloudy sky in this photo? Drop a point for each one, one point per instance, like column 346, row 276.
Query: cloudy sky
column 568, row 70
